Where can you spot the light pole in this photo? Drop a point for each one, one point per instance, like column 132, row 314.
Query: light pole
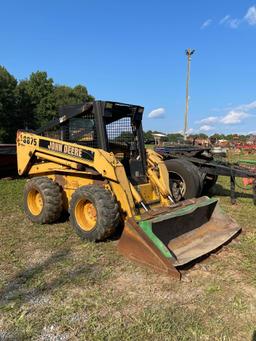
column 189, row 53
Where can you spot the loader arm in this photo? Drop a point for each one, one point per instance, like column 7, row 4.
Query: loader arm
column 38, row 154
column 158, row 175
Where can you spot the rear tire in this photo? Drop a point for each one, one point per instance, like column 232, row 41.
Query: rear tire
column 185, row 179
column 42, row 200
column 94, row 212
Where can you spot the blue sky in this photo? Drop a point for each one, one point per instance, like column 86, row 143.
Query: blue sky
column 134, row 51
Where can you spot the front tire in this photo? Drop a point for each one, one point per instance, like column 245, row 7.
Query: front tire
column 94, row 212
column 42, row 200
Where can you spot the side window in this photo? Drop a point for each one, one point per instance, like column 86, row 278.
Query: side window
column 82, row 130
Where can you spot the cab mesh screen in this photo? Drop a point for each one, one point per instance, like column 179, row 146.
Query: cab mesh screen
column 80, row 130
column 120, row 131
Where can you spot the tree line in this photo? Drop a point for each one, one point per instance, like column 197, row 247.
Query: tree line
column 177, row 137
column 171, row 137
column 30, row 103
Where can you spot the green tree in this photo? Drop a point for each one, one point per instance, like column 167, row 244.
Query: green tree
column 33, row 102
column 81, row 94
column 65, row 95
column 199, row 136
column 25, row 107
column 8, row 112
column 148, row 135
column 175, row 137
column 40, row 89
column 218, row 136
column 124, row 136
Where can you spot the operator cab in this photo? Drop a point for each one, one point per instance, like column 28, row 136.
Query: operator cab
column 111, row 126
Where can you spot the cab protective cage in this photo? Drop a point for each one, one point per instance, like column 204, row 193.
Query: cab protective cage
column 111, row 126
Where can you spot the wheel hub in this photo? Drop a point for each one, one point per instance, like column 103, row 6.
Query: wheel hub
column 35, row 202
column 177, row 185
column 86, row 215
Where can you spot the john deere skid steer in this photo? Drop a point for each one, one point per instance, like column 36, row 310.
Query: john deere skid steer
column 91, row 161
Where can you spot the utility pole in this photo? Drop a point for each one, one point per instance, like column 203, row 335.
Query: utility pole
column 189, row 53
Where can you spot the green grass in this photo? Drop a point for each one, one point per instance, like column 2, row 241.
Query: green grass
column 53, row 286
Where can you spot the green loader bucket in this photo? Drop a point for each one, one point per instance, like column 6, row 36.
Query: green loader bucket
column 168, row 238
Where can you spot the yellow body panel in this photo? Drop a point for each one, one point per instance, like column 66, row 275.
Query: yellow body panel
column 64, row 163
column 148, row 192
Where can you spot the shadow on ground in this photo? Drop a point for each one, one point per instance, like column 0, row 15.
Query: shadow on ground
column 18, row 288
column 223, row 192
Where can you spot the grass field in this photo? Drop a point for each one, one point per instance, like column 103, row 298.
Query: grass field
column 53, row 286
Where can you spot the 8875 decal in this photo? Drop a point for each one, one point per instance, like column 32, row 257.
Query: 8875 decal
column 29, row 140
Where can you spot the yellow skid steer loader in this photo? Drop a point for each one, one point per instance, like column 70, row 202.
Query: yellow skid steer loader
column 91, row 161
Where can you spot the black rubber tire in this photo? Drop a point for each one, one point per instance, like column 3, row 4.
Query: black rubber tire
column 51, row 197
column 189, row 173
column 209, row 181
column 107, row 212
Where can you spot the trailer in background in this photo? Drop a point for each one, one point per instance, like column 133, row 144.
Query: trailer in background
column 198, row 165
column 8, row 160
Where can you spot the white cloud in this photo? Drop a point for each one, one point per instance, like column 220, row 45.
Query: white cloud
column 157, row 113
column 234, row 23
column 206, row 23
column 234, row 117
column 224, row 19
column 230, row 22
column 209, row 120
column 206, row 128
column 250, row 16
column 247, row 107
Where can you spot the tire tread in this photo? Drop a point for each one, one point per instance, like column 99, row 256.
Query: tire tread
column 107, row 212
column 52, row 199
